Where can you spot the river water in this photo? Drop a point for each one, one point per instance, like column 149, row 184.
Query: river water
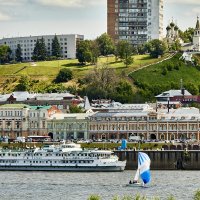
column 79, row 186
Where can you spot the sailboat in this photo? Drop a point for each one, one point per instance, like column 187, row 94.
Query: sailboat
column 143, row 171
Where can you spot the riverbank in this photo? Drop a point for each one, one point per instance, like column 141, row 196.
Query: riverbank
column 164, row 159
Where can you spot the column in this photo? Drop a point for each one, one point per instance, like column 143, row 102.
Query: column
column 86, row 136
column 75, row 135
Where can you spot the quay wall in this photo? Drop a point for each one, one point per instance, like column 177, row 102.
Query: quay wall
column 164, row 160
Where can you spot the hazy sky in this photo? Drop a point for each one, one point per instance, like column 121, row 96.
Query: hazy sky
column 88, row 17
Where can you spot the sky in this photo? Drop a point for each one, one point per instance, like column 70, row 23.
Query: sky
column 87, row 17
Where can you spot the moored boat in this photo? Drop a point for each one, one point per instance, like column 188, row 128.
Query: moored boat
column 63, row 157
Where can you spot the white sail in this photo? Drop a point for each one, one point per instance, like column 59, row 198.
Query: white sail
column 137, row 175
column 144, row 167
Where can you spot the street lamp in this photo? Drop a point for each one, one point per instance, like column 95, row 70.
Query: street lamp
column 168, row 99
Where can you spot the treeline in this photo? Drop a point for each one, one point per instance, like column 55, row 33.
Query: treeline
column 40, row 52
column 88, row 51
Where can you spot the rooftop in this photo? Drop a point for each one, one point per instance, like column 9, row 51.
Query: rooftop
column 172, row 93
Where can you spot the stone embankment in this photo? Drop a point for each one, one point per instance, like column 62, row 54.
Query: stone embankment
column 174, row 157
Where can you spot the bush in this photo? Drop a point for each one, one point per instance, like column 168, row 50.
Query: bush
column 169, row 67
column 164, row 71
column 94, row 197
column 64, row 75
column 176, row 67
column 197, row 195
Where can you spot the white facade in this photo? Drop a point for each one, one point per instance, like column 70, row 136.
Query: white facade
column 196, row 37
column 68, row 45
column 155, row 19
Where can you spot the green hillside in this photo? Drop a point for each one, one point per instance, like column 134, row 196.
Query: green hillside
column 167, row 75
column 48, row 70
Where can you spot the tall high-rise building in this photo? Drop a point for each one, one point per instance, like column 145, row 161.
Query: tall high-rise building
column 137, row 21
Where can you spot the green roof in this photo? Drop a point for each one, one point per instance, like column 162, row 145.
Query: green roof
column 40, row 107
column 14, row 106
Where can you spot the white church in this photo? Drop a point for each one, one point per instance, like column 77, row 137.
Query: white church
column 195, row 45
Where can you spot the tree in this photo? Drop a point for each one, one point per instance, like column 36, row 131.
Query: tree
column 100, row 83
column 106, row 45
column 24, row 84
column 18, row 53
column 94, row 48
column 56, row 49
column 40, row 52
column 84, row 53
column 64, row 75
column 43, row 51
column 192, row 88
column 123, row 92
column 75, row 109
column 124, row 51
column 36, row 50
column 164, row 71
column 55, row 88
column 156, row 48
column 175, row 46
column 5, row 54
column 187, row 36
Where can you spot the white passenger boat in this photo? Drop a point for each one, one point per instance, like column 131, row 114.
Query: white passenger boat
column 64, row 157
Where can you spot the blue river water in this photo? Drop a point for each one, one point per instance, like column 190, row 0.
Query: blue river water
column 79, row 186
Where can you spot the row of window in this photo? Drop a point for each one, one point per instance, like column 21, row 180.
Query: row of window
column 31, row 41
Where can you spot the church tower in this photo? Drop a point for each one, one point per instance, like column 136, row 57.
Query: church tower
column 196, row 37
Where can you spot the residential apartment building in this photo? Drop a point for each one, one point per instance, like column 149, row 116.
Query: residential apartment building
column 137, row 21
column 68, row 45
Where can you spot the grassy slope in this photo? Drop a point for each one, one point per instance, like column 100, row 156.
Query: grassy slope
column 48, row 70
column 149, row 75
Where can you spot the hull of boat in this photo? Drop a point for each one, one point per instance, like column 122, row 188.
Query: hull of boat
column 135, row 185
column 65, row 168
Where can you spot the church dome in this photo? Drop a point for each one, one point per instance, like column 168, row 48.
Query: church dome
column 176, row 28
column 168, row 28
column 172, row 24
